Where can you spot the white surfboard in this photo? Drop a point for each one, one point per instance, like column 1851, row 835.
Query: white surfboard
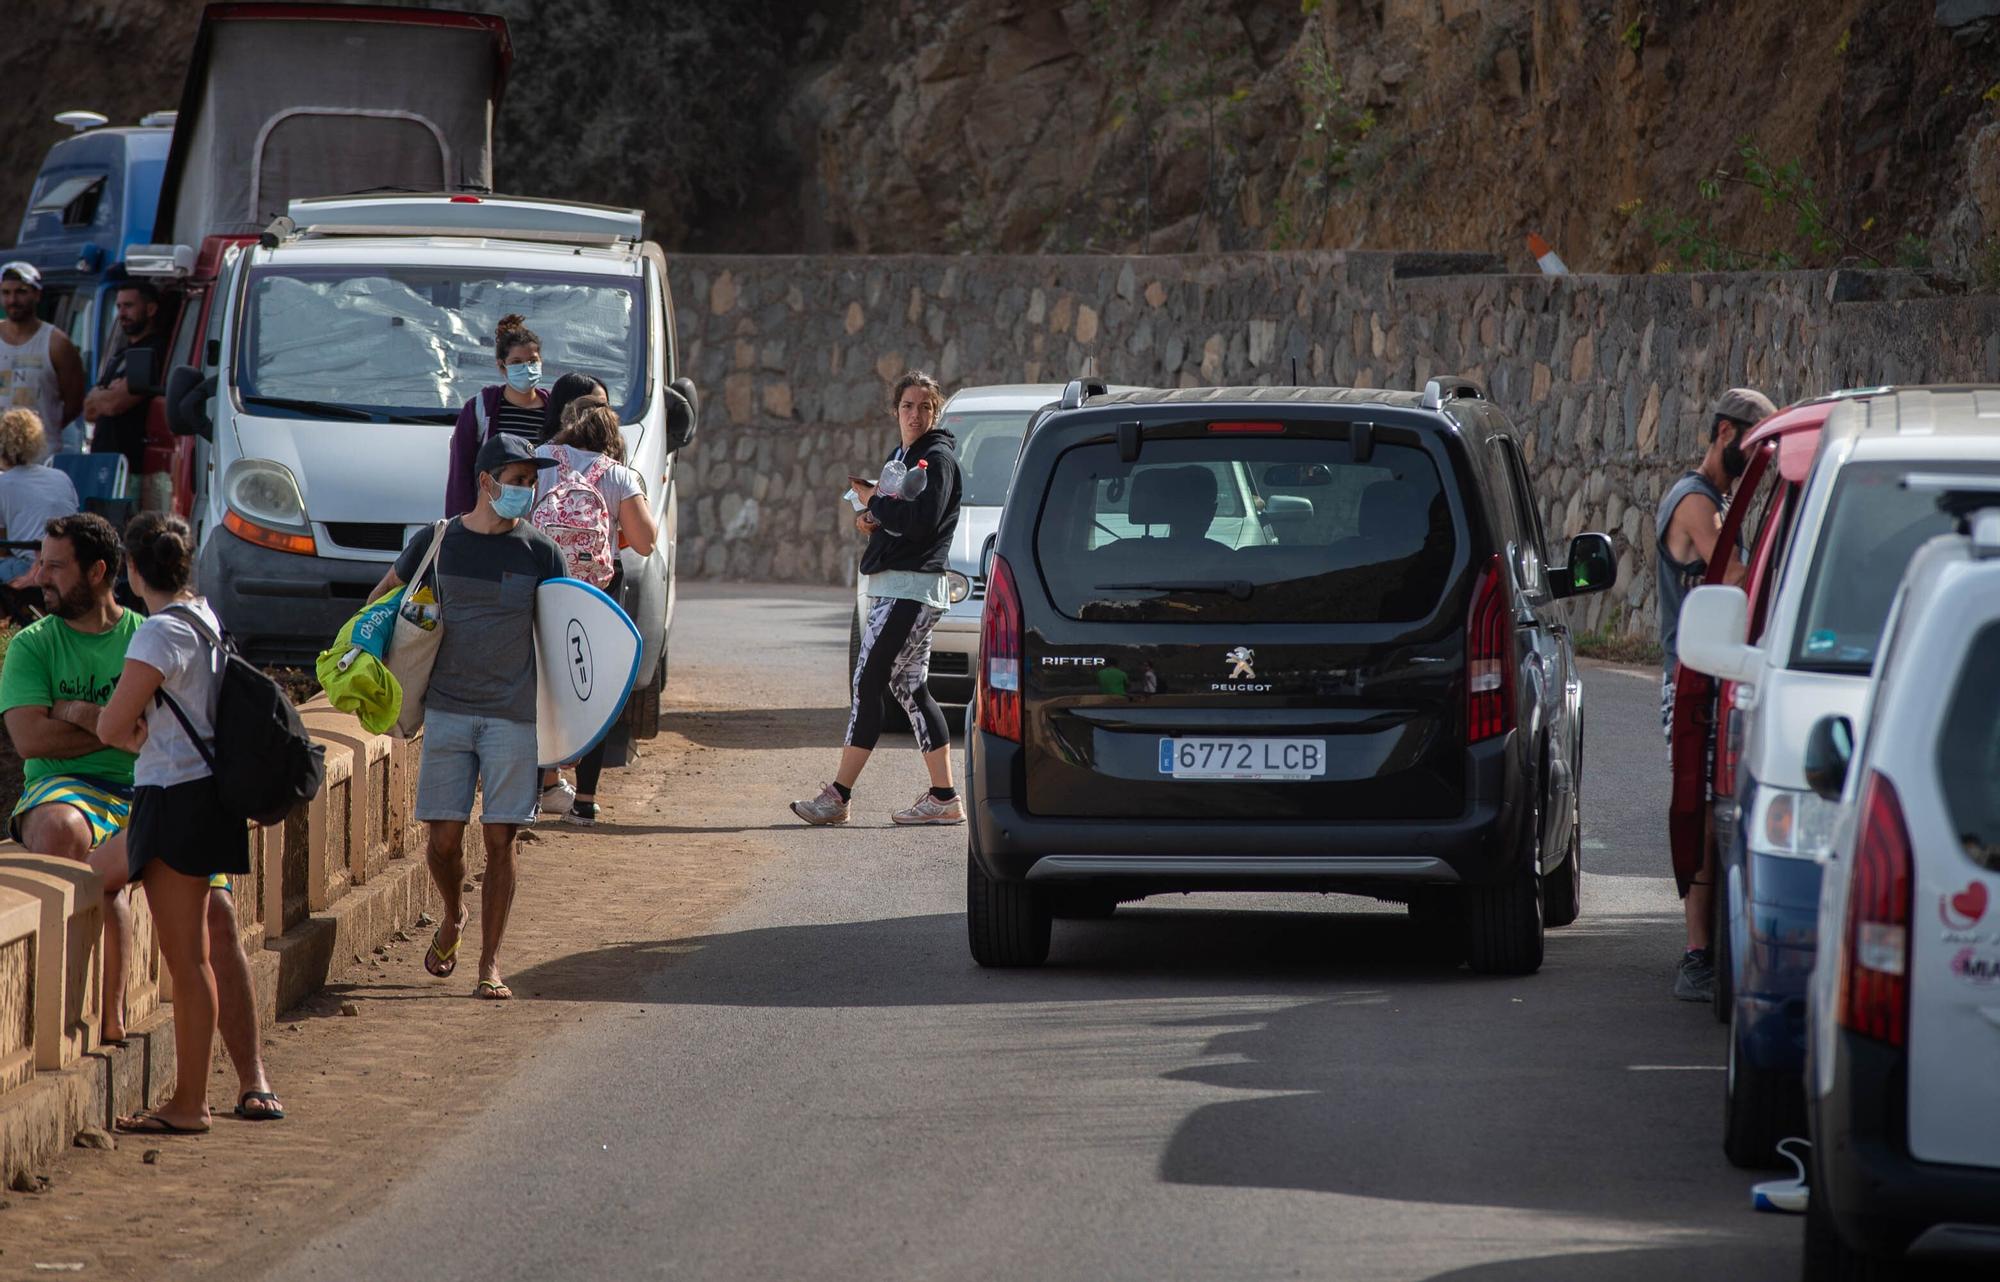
column 586, row 659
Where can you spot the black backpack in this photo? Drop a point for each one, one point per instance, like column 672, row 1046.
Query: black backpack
column 264, row 762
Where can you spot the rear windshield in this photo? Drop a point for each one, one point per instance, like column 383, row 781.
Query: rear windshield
column 1873, row 527
column 1246, row 530
column 1969, row 752
column 989, row 445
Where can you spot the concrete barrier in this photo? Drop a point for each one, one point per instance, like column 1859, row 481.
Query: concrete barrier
column 69, row 962
column 20, row 927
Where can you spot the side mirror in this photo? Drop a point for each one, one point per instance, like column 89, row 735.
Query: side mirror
column 141, row 379
column 1592, row 567
column 187, row 402
column 1714, row 631
column 1284, row 509
column 1829, row 750
column 683, row 409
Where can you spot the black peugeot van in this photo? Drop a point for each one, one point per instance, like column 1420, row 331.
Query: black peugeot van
column 1278, row 638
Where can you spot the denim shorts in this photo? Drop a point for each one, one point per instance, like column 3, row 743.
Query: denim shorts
column 495, row 755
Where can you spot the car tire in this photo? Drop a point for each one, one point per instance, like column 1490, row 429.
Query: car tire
column 1503, row 922
column 1562, row 890
column 1829, row 1259
column 1006, row 923
column 1759, row 1108
column 1083, row 905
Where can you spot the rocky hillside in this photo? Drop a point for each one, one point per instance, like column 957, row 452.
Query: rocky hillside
column 1631, row 133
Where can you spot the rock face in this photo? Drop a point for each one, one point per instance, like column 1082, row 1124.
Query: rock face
column 1607, row 380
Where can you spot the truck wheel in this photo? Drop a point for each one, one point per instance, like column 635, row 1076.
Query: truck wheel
column 1504, row 922
column 1759, row 1108
column 1007, row 923
column 1562, row 890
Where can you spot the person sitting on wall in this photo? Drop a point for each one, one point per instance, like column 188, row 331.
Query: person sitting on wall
column 517, row 407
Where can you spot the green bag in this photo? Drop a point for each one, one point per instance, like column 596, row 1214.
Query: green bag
column 351, row 670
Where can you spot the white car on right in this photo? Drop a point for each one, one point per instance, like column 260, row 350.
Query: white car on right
column 1903, row 1061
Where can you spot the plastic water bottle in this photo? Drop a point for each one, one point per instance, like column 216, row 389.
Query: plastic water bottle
column 900, row 482
column 917, row 479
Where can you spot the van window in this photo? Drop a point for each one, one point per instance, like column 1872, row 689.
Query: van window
column 1873, row 527
column 1969, row 752
column 1246, row 529
column 988, row 447
column 417, row 341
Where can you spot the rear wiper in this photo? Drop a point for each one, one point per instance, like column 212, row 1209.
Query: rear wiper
column 1240, row 589
column 328, row 409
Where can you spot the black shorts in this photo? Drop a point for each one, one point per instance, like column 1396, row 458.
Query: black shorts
column 183, row 826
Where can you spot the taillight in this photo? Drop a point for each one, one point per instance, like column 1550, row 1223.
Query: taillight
column 1489, row 658
column 1000, row 655
column 1875, row 982
column 1729, row 741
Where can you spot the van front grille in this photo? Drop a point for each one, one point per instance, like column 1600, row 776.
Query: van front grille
column 366, row 536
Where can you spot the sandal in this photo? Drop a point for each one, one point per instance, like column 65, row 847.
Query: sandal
column 442, row 961
column 274, row 1112
column 154, row 1124
column 493, row 990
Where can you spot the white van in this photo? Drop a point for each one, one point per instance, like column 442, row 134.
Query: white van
column 346, row 340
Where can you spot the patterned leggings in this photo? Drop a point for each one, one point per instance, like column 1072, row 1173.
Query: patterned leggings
column 895, row 660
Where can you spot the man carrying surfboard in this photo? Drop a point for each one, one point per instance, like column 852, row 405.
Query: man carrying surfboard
column 479, row 707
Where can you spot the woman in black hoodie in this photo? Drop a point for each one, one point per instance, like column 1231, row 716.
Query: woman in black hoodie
column 909, row 544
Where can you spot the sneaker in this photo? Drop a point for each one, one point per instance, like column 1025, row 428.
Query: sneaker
column 827, row 808
column 582, row 814
column 1695, row 981
column 557, row 798
column 929, row 810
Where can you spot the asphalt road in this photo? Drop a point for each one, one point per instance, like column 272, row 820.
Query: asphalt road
column 1211, row 1087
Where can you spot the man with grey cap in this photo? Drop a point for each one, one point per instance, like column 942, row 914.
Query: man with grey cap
column 1686, row 527
column 479, row 708
column 40, row 369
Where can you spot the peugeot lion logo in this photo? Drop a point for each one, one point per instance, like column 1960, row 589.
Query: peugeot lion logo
column 1243, row 663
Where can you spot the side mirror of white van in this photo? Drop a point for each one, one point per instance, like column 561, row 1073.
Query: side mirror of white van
column 683, row 409
column 1715, row 625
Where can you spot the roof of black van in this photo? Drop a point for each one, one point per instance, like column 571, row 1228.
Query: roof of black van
column 1261, row 396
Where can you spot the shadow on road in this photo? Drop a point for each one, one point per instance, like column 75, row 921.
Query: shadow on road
column 1694, row 1262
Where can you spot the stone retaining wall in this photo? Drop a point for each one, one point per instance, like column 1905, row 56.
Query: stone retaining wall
column 1607, row 378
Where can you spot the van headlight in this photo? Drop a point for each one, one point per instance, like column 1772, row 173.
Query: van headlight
column 265, row 506
column 957, row 586
column 1787, row 821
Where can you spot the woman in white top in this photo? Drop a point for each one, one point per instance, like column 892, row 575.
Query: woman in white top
column 178, row 836
column 590, row 433
column 31, row 492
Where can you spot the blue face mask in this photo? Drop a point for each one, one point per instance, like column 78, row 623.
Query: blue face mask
column 525, row 378
column 514, row 501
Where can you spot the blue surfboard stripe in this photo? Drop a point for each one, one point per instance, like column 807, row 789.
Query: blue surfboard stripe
column 631, row 677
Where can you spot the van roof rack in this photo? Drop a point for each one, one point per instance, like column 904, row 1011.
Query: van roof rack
column 1079, row 390
column 1439, row 390
column 565, row 222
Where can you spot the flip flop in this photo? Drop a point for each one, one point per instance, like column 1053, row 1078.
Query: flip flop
column 442, row 961
column 275, row 1113
column 153, row 1124
column 493, row 990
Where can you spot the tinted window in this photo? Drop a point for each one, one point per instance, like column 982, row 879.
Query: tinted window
column 988, row 447
column 1246, row 529
column 1969, row 752
column 1873, row 527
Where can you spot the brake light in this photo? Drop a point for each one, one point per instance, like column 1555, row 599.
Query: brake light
column 1875, row 982
column 999, row 693
column 465, row 200
column 1729, row 741
column 1248, row 429
column 1489, row 658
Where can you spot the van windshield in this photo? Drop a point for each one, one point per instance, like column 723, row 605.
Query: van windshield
column 988, row 447
column 1246, row 530
column 1873, row 527
column 416, row 342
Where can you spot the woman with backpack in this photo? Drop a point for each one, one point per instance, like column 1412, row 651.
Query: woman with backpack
column 180, row 834
column 588, row 503
column 574, row 388
column 516, row 405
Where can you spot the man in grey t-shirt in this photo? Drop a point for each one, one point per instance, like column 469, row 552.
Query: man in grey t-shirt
column 479, row 708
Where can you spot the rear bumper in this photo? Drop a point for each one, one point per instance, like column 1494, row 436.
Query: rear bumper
column 280, row 607
column 1884, row 1201
column 1481, row 845
column 954, row 651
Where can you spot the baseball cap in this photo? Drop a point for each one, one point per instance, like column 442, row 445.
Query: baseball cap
column 503, row 448
column 23, row 271
column 1744, row 405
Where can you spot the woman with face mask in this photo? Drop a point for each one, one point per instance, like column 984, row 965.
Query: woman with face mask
column 515, row 406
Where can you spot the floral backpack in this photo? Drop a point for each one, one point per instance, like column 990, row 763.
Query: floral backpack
column 576, row 515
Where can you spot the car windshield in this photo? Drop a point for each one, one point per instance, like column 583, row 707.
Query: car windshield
column 1873, row 527
column 1969, row 752
column 1246, row 530
column 417, row 341
column 989, row 444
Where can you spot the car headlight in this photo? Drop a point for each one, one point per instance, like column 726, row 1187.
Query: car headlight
column 1785, row 821
column 265, row 493
column 958, row 585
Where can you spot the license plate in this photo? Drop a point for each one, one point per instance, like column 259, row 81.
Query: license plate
column 1265, row 760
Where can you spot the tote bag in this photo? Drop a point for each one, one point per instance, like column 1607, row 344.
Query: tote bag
column 419, row 631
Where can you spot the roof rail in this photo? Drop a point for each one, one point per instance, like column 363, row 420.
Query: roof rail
column 1439, row 390
column 1080, row 390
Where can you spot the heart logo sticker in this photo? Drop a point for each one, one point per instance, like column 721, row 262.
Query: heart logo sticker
column 1963, row 910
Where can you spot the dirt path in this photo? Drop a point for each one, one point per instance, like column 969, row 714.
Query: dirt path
column 366, row 1092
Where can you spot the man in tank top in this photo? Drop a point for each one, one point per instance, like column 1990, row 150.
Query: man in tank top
column 40, row 368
